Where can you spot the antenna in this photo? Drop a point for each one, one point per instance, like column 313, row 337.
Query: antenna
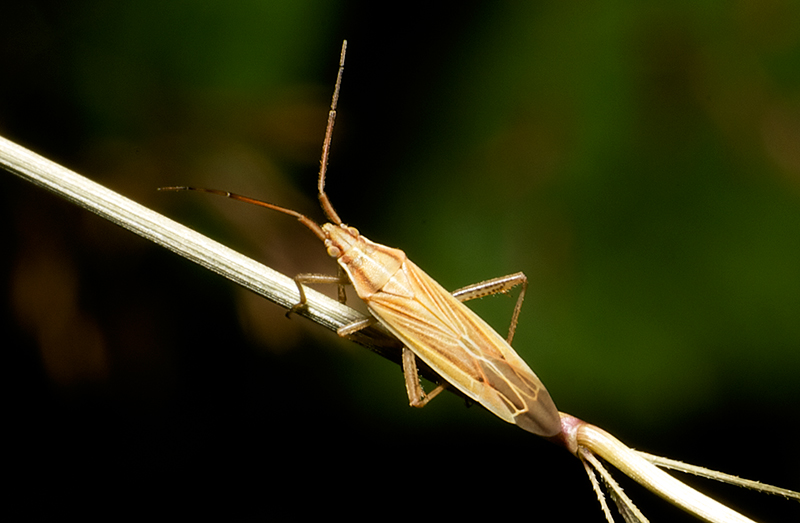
column 326, row 144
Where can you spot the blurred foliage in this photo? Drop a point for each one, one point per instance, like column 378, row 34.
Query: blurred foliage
column 639, row 162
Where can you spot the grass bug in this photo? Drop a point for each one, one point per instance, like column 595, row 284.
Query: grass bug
column 432, row 323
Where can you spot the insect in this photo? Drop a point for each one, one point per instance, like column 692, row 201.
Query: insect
column 433, row 324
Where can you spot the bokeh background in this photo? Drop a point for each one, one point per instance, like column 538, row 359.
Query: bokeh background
column 639, row 162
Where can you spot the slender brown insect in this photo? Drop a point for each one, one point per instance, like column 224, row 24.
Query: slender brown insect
column 433, row 324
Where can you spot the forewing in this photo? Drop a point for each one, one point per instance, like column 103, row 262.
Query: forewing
column 463, row 349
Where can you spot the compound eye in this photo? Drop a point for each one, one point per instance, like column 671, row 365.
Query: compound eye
column 353, row 231
column 334, row 251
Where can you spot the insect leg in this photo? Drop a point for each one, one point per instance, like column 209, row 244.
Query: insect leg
column 356, row 326
column 344, row 279
column 416, row 396
column 340, row 279
column 502, row 284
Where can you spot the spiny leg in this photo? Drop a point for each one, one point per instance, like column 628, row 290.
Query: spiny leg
column 502, row 284
column 416, row 396
column 340, row 280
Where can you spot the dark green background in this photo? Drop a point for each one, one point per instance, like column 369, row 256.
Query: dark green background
column 640, row 163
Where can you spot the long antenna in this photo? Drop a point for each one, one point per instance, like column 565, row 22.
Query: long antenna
column 326, row 144
column 323, row 167
column 302, row 218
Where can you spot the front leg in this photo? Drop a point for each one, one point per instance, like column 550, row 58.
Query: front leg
column 340, row 280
